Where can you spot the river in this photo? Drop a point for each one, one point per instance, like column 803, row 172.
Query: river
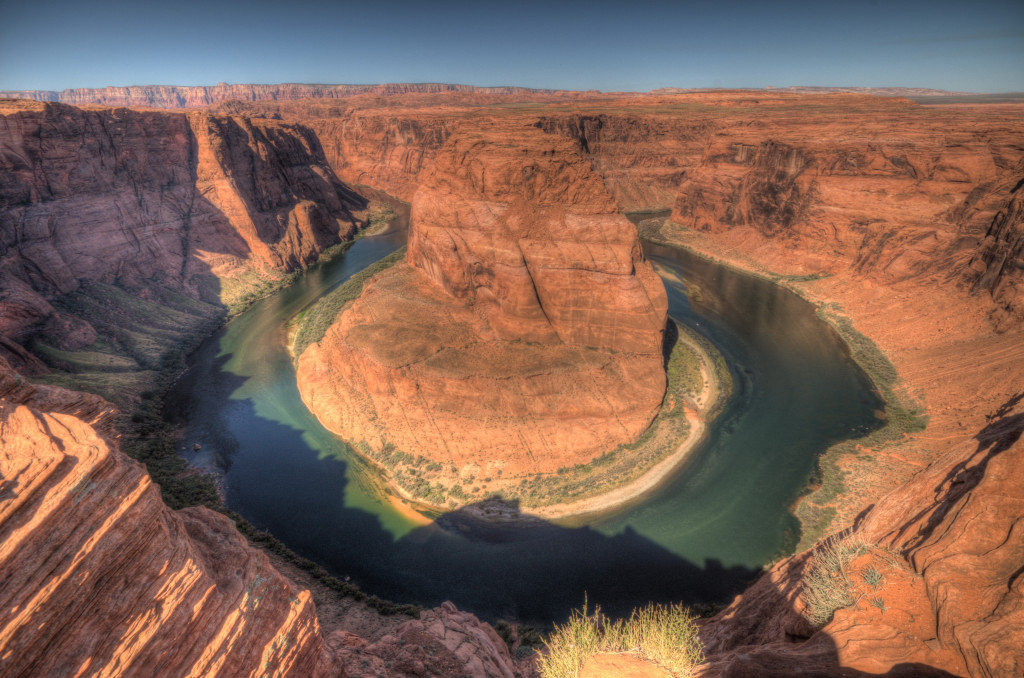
column 699, row 538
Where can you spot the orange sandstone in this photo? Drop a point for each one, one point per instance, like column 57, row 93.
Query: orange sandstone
column 522, row 334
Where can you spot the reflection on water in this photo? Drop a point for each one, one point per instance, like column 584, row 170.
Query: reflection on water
column 699, row 538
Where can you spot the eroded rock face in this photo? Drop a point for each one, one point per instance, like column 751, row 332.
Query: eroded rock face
column 889, row 188
column 141, row 199
column 922, row 208
column 442, row 642
column 170, row 96
column 949, row 547
column 522, row 334
column 998, row 265
column 99, row 577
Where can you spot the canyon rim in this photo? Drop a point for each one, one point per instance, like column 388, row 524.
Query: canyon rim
column 431, row 379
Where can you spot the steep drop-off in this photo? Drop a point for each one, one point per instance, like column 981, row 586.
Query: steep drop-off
column 98, row 577
column 891, row 187
column 522, row 334
column 184, row 213
column 904, row 220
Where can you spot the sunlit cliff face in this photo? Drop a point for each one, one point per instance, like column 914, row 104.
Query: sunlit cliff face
column 911, row 213
column 523, row 306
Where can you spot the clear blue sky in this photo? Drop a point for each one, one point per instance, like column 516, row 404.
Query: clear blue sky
column 627, row 45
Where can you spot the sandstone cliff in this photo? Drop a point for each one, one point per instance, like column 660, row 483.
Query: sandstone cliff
column 948, row 548
column 936, row 211
column 98, row 577
column 911, row 213
column 157, row 205
column 502, row 344
column 169, row 96
column 889, row 187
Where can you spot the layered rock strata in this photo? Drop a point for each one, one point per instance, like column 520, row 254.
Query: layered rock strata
column 153, row 200
column 948, row 548
column 201, row 96
column 889, row 187
column 912, row 212
column 522, row 334
column 98, row 577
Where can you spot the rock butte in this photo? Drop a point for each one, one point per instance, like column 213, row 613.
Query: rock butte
column 913, row 211
column 522, row 334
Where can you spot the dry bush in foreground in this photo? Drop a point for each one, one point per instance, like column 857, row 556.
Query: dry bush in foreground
column 663, row 634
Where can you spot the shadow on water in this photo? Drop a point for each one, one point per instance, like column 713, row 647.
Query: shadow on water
column 787, row 644
column 699, row 539
column 497, row 569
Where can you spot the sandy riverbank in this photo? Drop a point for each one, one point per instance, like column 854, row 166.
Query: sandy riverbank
column 944, row 351
column 704, row 404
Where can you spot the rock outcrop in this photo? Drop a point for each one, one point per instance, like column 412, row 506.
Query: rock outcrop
column 948, row 546
column 889, row 187
column 997, row 266
column 99, row 577
column 201, row 205
column 442, row 642
column 910, row 213
column 503, row 344
column 201, row 96
column 908, row 206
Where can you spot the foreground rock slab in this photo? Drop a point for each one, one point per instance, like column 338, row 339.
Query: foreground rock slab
column 99, row 577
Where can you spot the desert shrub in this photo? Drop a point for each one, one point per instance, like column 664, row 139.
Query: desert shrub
column 872, row 577
column 663, row 634
column 312, row 323
column 828, row 586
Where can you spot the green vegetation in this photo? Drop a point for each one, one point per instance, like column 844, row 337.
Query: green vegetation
column 379, row 218
column 241, row 291
column 902, row 417
column 827, row 587
column 830, row 584
column 311, row 324
column 527, row 637
column 437, row 486
column 816, row 509
column 663, row 634
column 138, row 339
column 872, row 577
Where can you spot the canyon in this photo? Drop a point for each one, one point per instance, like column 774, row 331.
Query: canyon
column 902, row 222
column 500, row 345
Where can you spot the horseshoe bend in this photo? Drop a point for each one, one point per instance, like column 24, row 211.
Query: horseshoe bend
column 441, row 380
column 523, row 332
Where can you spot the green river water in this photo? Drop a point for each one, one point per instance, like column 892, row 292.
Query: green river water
column 699, row 538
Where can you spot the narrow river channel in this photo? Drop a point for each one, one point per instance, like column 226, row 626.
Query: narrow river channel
column 698, row 538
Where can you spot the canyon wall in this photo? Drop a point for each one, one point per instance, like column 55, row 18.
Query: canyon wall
column 201, row 96
column 502, row 344
column 917, row 207
column 84, row 536
column 905, row 220
column 948, row 548
column 885, row 186
column 98, row 577
column 209, row 207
